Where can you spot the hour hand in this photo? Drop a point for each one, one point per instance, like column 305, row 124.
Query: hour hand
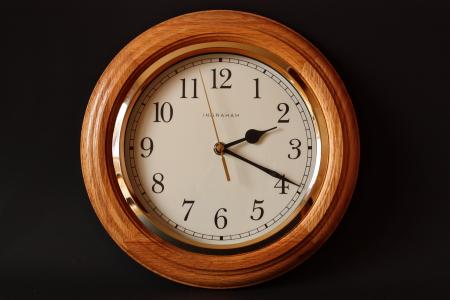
column 252, row 136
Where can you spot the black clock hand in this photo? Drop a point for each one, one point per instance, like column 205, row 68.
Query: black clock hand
column 252, row 136
column 264, row 169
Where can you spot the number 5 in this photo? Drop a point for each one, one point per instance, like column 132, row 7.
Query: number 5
column 259, row 209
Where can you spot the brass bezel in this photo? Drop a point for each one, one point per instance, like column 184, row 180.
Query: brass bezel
column 148, row 221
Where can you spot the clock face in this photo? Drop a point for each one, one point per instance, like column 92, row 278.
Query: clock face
column 220, row 150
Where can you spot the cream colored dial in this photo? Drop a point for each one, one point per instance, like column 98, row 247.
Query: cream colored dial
column 272, row 150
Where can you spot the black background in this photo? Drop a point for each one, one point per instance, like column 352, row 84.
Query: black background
column 394, row 240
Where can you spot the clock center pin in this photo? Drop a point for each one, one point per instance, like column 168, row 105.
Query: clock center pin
column 219, row 148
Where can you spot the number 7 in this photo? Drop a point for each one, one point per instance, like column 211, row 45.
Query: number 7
column 189, row 202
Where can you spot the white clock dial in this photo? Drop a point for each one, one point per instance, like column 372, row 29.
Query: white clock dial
column 178, row 177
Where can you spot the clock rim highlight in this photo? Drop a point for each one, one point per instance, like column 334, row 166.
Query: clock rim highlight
column 294, row 58
column 149, row 219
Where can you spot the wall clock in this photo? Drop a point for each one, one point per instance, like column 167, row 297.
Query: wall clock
column 219, row 149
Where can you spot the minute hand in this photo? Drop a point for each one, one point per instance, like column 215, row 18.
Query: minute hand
column 264, row 169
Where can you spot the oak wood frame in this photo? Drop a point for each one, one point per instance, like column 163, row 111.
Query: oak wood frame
column 221, row 271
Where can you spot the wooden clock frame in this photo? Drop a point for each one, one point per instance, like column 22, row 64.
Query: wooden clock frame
column 306, row 68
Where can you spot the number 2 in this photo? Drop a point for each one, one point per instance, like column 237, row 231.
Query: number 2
column 284, row 108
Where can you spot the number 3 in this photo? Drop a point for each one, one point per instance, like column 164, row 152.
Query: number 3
column 295, row 143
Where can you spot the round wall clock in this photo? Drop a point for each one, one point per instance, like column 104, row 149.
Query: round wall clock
column 219, row 149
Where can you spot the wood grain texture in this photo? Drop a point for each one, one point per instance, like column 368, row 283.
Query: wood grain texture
column 221, row 271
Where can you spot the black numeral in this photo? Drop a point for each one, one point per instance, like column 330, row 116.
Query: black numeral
column 259, row 209
column 284, row 108
column 194, row 88
column 165, row 113
column 223, row 73
column 283, row 186
column 188, row 202
column 295, row 143
column 147, row 146
column 220, row 221
column 256, row 89
column 158, row 186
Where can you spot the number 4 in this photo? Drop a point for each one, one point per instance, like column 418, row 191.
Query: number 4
column 283, row 185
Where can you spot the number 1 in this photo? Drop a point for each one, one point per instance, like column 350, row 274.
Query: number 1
column 257, row 89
